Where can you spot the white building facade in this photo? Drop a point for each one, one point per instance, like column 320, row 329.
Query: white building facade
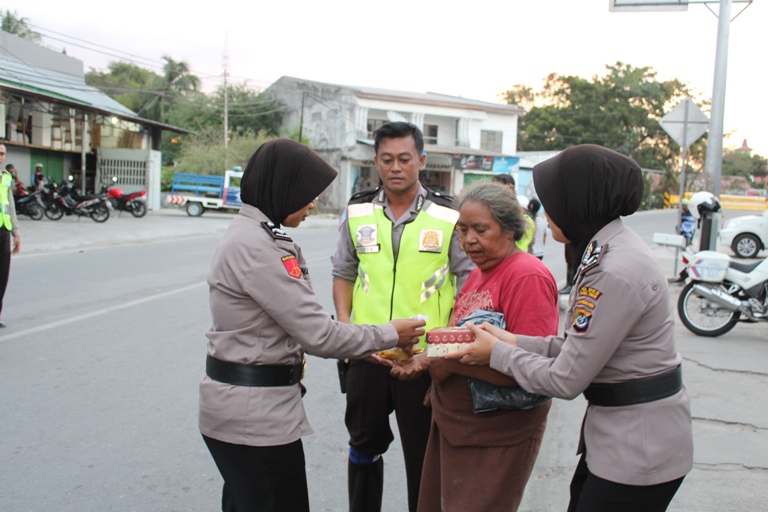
column 465, row 140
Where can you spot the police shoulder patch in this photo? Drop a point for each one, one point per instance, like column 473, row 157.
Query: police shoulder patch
column 275, row 232
column 291, row 264
column 581, row 319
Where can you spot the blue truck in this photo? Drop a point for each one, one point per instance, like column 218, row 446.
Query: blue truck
column 200, row 192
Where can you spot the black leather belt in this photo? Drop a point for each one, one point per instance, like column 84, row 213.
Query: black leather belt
column 265, row 375
column 639, row 391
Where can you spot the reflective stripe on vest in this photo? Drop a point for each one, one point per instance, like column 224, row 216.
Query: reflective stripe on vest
column 5, row 207
column 419, row 281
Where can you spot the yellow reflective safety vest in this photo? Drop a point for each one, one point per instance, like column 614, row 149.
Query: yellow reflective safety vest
column 418, row 281
column 525, row 241
column 5, row 207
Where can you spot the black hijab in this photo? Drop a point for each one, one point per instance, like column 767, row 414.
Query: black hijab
column 282, row 177
column 586, row 187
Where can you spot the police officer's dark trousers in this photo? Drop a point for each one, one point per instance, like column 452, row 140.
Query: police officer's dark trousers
column 590, row 493
column 5, row 262
column 261, row 478
column 372, row 394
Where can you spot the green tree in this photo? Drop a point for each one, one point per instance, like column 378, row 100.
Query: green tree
column 740, row 163
column 619, row 110
column 127, row 83
column 204, row 153
column 177, row 82
column 18, row 26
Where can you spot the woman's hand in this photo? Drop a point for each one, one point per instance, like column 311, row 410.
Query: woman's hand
column 478, row 352
column 412, row 368
column 498, row 332
column 409, row 332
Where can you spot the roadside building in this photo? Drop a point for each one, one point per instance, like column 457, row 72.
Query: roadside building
column 50, row 116
column 465, row 140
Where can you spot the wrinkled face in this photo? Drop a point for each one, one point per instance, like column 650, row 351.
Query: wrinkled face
column 481, row 236
column 557, row 233
column 399, row 164
column 296, row 218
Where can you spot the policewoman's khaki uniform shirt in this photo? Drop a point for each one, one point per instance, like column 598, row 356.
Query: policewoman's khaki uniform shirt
column 619, row 327
column 264, row 312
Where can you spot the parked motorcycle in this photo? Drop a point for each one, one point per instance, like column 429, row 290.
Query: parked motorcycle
column 719, row 293
column 135, row 202
column 50, row 198
column 30, row 205
column 72, row 203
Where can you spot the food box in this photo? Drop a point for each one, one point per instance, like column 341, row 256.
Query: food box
column 446, row 340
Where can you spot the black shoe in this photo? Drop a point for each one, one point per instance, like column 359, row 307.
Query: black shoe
column 565, row 290
column 2, row 324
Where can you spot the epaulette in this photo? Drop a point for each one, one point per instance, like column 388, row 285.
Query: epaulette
column 364, row 196
column 276, row 232
column 441, row 199
column 592, row 256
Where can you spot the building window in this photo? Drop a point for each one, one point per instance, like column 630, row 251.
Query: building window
column 430, row 134
column 490, row 141
column 373, row 125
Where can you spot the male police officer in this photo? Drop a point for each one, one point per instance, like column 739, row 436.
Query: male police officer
column 398, row 255
column 8, row 228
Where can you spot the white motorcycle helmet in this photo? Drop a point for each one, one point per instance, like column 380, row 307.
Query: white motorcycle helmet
column 703, row 202
column 523, row 201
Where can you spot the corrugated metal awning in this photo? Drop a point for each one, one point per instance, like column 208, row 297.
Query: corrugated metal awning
column 67, row 89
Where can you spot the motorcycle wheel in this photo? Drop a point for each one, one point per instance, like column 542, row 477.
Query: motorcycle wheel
column 54, row 211
column 702, row 317
column 100, row 213
column 138, row 208
column 36, row 211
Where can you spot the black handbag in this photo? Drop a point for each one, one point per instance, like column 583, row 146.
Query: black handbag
column 489, row 397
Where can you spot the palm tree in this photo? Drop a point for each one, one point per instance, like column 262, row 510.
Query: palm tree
column 176, row 81
column 13, row 24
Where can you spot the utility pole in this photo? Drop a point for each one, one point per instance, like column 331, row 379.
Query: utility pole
column 714, row 160
column 226, row 103
column 301, row 121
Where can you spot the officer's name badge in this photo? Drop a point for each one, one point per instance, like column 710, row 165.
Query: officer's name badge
column 588, row 291
column 430, row 240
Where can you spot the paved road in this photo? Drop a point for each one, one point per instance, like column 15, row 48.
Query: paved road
column 105, row 344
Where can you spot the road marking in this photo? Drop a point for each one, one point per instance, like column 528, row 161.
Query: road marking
column 110, row 309
column 98, row 312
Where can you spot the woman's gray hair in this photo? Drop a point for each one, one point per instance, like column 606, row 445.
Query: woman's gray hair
column 503, row 205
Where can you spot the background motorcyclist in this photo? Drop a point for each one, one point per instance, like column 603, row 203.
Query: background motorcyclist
column 687, row 223
column 38, row 179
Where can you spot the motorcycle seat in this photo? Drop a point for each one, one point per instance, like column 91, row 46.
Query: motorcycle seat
column 745, row 267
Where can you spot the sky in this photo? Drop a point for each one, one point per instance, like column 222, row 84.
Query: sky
column 474, row 49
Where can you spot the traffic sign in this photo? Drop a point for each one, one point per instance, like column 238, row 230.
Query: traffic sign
column 685, row 123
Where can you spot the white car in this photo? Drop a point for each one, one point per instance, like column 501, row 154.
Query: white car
column 747, row 235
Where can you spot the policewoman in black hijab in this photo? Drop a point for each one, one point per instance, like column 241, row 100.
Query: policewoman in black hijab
column 265, row 317
column 618, row 348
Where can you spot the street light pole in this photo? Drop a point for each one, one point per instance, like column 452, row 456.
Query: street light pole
column 714, row 160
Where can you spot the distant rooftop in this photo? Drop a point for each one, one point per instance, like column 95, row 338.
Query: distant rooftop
column 28, row 68
column 427, row 98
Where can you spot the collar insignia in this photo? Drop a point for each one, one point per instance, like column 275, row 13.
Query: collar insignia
column 592, row 256
column 275, row 232
column 419, row 203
